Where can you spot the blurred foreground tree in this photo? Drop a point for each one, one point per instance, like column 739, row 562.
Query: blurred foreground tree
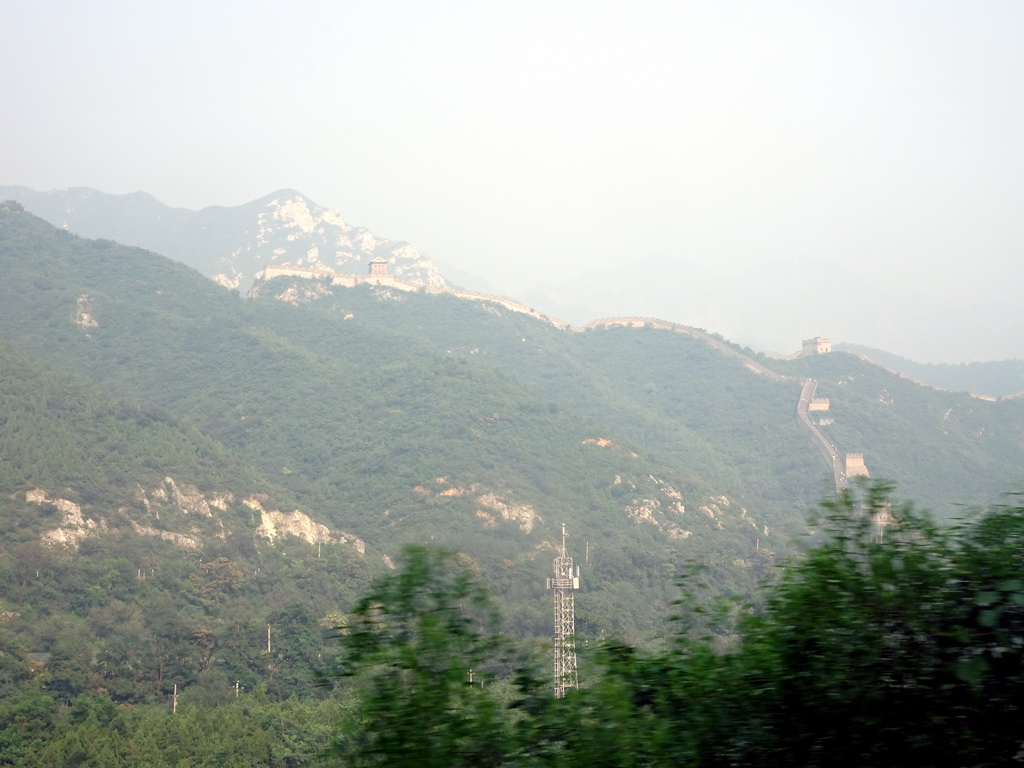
column 420, row 645
column 892, row 641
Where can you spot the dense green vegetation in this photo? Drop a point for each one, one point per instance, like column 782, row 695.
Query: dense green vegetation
column 93, row 732
column 947, row 449
column 374, row 430
column 891, row 641
column 147, row 416
column 123, row 611
column 61, row 431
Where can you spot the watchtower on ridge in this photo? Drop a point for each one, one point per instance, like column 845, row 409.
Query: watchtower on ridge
column 818, row 345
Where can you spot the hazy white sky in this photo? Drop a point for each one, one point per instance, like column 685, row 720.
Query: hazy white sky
column 879, row 140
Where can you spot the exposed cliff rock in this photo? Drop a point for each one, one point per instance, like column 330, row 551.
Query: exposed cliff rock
column 81, row 316
column 302, row 292
column 178, row 539
column 275, row 525
column 650, row 512
column 230, row 244
column 186, row 497
column 171, row 497
column 492, row 507
column 288, row 228
column 662, row 507
column 74, row 527
column 523, row 514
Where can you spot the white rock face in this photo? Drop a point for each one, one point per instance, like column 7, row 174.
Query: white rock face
column 185, row 497
column 523, row 514
column 657, row 510
column 289, row 229
column 178, row 539
column 296, row 213
column 275, row 525
column 81, row 316
column 74, row 528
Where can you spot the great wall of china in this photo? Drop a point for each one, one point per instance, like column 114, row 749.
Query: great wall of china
column 386, row 280
column 842, row 466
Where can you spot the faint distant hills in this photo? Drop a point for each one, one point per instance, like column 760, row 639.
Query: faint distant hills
column 771, row 306
column 996, row 379
column 229, row 244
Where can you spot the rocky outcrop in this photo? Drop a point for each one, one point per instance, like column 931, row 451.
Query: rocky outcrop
column 275, row 525
column 650, row 512
column 290, row 229
column 302, row 293
column 74, row 527
column 491, row 509
column 522, row 514
column 185, row 497
column 171, row 495
column 81, row 316
column 178, row 539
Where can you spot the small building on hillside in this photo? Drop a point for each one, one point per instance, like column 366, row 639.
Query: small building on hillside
column 816, row 346
column 378, row 267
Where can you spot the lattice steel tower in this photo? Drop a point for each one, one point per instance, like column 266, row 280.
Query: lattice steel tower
column 565, row 581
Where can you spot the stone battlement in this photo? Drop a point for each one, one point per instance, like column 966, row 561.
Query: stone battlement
column 816, row 346
column 855, row 465
column 378, row 275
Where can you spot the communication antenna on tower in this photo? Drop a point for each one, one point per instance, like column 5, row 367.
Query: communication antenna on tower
column 564, row 582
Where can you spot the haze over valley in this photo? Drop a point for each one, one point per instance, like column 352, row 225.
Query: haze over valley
column 341, row 343
column 768, row 173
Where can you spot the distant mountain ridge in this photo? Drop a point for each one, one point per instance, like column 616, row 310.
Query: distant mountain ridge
column 229, row 244
column 1003, row 378
column 233, row 244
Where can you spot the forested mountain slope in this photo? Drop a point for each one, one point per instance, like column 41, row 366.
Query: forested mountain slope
column 994, row 379
column 375, row 432
column 673, row 392
column 369, row 419
column 947, row 450
column 138, row 553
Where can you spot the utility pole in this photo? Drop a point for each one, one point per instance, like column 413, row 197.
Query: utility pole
column 565, row 581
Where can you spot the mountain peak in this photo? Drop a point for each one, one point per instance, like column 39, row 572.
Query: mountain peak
column 287, row 193
column 231, row 244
